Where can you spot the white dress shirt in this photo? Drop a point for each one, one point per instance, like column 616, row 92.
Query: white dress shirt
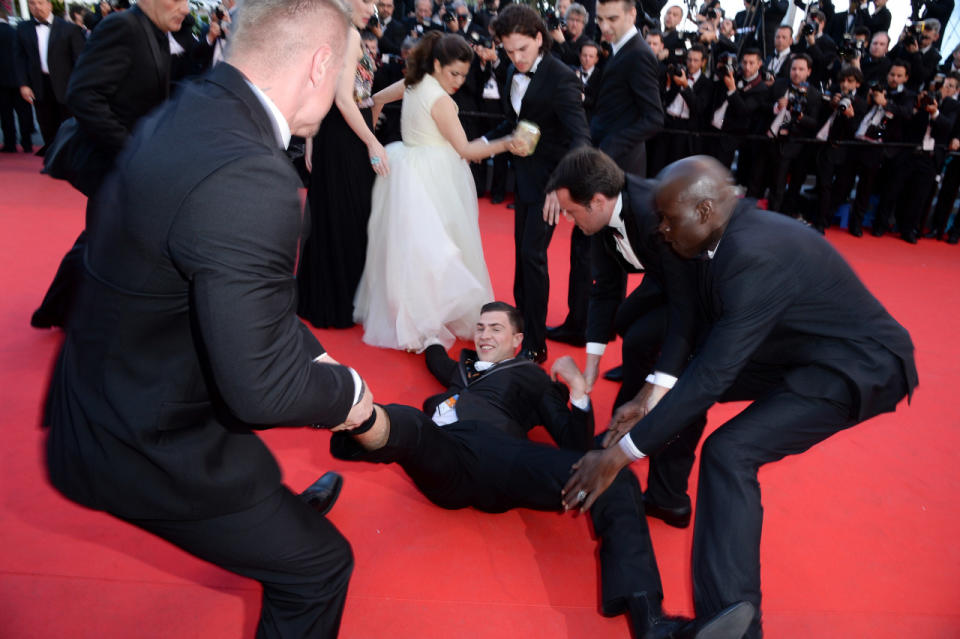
column 43, row 42
column 622, row 41
column 520, row 84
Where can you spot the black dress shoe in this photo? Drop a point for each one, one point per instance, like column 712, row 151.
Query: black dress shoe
column 615, row 374
column 496, row 199
column 42, row 151
column 909, row 238
column 27, row 148
column 953, row 239
column 538, row 355
column 8, row 148
column 511, row 206
column 323, row 493
column 565, row 334
column 730, row 623
column 648, row 621
column 676, row 517
column 933, row 235
column 877, row 231
column 43, row 319
column 855, row 231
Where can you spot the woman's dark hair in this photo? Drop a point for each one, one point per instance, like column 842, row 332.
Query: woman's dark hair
column 519, row 18
column 446, row 48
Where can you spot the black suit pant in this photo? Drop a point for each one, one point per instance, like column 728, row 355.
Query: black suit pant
column 729, row 517
column 50, row 113
column 531, row 280
column 579, row 282
column 300, row 558
column 11, row 104
column 473, row 464
column 906, row 191
column 945, row 199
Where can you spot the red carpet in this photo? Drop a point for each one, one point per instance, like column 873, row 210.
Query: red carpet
column 859, row 536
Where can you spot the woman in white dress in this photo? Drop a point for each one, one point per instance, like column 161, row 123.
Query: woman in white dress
column 425, row 278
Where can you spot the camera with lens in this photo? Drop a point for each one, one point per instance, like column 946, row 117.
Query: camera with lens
column 675, row 70
column 218, row 11
column 845, row 103
column 809, row 28
column 925, row 99
column 374, row 21
column 797, row 102
column 876, row 86
column 727, row 63
column 477, row 35
column 876, row 132
column 449, row 14
column 549, row 14
column 850, row 47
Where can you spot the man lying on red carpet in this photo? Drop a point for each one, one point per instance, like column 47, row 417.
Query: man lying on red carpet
column 468, row 448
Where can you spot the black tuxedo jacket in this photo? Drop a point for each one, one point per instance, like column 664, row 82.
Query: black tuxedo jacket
column 184, row 339
column 808, row 125
column 513, row 396
column 843, row 128
column 697, row 98
column 748, row 110
column 837, row 25
column 590, row 90
column 628, row 110
column 780, row 296
column 8, row 49
column 123, row 73
column 554, row 103
column 667, row 279
column 783, row 71
column 63, row 49
column 880, row 21
column 393, row 36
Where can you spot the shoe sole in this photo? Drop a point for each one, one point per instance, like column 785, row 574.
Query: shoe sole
column 731, row 623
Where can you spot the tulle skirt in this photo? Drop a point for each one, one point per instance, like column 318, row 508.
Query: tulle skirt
column 424, row 278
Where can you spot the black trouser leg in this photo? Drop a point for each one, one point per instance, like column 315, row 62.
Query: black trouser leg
column 578, row 285
column 668, row 474
column 531, row 238
column 7, row 121
column 868, row 168
column 894, row 182
column 947, row 196
column 726, row 539
column 300, row 558
column 641, row 346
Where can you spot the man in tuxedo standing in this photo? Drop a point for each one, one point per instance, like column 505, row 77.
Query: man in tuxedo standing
column 790, row 327
column 184, row 340
column 47, row 50
column 14, row 110
column 123, row 74
column 468, row 448
column 777, row 63
column 543, row 90
column 628, row 110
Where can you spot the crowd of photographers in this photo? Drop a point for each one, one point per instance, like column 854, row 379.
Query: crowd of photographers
column 837, row 100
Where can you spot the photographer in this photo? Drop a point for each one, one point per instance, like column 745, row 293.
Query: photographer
column 848, row 110
column 913, row 170
column 846, row 21
column 590, row 75
column 392, row 30
column 890, row 107
column 739, row 107
column 686, row 100
column 422, row 20
column 939, row 10
column 916, row 46
column 484, row 16
column 951, row 177
column 880, row 19
column 777, row 63
column 796, row 112
column 952, row 65
column 875, row 64
column 820, row 47
column 757, row 24
column 572, row 35
column 673, row 39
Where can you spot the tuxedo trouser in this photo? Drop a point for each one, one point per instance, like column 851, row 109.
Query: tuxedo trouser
column 945, row 199
column 579, row 282
column 729, row 517
column 791, row 163
column 832, row 186
column 867, row 165
column 11, row 104
column 473, row 464
column 59, row 298
column 50, row 113
column 531, row 279
column 906, row 191
column 300, row 558
column 668, row 473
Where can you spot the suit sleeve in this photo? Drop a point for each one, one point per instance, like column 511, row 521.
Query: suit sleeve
column 753, row 295
column 679, row 287
column 569, row 427
column 607, row 291
column 77, row 42
column 238, row 254
column 441, row 365
column 21, row 61
column 642, row 79
column 103, row 66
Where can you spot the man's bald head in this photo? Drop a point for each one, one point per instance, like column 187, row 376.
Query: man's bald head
column 694, row 200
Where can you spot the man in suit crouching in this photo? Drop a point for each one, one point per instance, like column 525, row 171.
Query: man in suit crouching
column 184, row 339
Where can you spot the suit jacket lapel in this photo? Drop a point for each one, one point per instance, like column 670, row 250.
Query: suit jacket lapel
column 162, row 62
column 535, row 82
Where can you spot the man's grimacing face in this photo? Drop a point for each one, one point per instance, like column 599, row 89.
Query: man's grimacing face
column 494, row 337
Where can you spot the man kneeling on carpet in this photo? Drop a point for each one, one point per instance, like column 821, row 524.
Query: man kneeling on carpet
column 468, row 447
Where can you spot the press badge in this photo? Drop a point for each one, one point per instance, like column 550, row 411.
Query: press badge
column 446, row 412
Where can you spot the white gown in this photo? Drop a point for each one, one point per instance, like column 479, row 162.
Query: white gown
column 425, row 278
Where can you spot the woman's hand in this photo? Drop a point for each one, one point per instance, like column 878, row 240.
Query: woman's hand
column 378, row 157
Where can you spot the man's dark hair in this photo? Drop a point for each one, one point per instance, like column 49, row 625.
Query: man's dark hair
column 819, row 16
column 787, row 27
column 591, row 43
column 752, row 51
column 861, row 31
column 655, row 34
column 586, row 171
column 513, row 315
column 699, row 48
column 850, row 71
column 899, row 62
column 519, row 18
column 802, row 56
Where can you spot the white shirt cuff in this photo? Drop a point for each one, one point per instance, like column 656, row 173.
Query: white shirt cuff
column 661, row 379
column 583, row 403
column 627, row 446
column 596, row 348
column 357, row 385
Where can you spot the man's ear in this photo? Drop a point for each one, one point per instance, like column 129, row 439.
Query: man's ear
column 321, row 64
column 705, row 210
column 517, row 340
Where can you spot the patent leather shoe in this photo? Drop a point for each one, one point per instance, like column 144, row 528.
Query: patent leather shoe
column 730, row 623
column 566, row 335
column 909, row 238
column 676, row 517
column 323, row 493
column 538, row 355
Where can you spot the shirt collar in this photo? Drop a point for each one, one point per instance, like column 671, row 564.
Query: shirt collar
column 280, row 126
column 622, row 41
column 616, row 221
column 536, row 64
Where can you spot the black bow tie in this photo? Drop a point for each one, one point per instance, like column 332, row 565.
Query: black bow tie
column 40, row 23
column 529, row 74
